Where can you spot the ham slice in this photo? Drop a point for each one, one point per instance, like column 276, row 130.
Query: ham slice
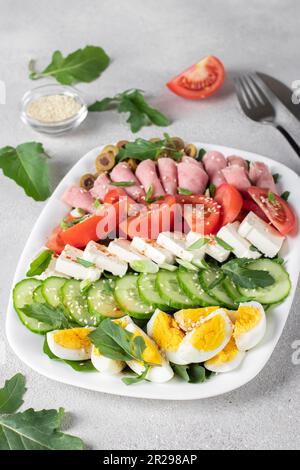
column 239, row 161
column 191, row 176
column 122, row 172
column 191, row 160
column 261, row 176
column 147, row 175
column 80, row 198
column 217, row 179
column 168, row 174
column 237, row 177
column 101, row 186
column 213, row 162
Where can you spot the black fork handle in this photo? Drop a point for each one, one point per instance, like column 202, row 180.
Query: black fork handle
column 289, row 138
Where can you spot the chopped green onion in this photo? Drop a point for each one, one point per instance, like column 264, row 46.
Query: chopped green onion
column 285, row 195
column 122, row 183
column 85, row 263
column 187, row 192
column 144, row 266
column 186, row 264
column 198, row 244
column 225, row 245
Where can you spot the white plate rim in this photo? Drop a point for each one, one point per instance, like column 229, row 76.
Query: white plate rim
column 176, row 389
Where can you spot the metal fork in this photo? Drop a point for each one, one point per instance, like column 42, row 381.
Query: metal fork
column 257, row 106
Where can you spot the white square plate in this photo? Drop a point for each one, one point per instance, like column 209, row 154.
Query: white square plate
column 28, row 346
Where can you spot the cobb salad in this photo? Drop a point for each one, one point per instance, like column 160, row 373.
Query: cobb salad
column 166, row 263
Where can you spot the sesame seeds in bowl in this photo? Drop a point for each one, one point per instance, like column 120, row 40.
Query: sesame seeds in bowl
column 53, row 109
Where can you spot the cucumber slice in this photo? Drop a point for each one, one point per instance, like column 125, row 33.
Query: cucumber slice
column 168, row 286
column 207, row 277
column 100, row 299
column 51, row 290
column 190, row 283
column 37, row 295
column 275, row 293
column 23, row 295
column 232, row 291
column 76, row 304
column 127, row 296
column 148, row 291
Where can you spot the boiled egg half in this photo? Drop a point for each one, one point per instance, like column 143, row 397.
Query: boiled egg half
column 71, row 344
column 250, row 325
column 227, row 360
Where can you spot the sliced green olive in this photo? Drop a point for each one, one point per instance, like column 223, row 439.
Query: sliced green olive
column 190, row 150
column 178, row 142
column 105, row 161
column 87, row 181
column 111, row 148
column 132, row 164
column 121, row 144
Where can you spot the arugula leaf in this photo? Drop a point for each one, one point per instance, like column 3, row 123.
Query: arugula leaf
column 192, row 373
column 137, row 378
column 11, row 395
column 201, row 154
column 45, row 313
column 144, row 149
column 285, row 195
column 238, row 272
column 79, row 366
column 85, row 263
column 198, row 244
column 40, row 263
column 36, row 430
column 83, row 65
column 122, row 183
column 115, row 342
column 225, row 245
column 133, row 102
column 185, row 191
column 27, row 165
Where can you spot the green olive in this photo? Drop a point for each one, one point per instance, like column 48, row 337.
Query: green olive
column 121, row 144
column 111, row 148
column 190, row 150
column 87, row 181
column 132, row 164
column 105, row 161
column 178, row 142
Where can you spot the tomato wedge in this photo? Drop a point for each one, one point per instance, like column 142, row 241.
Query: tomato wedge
column 277, row 210
column 231, row 202
column 55, row 243
column 200, row 80
column 201, row 213
column 151, row 220
column 250, row 206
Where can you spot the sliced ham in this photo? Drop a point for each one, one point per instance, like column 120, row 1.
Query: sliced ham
column 213, row 162
column 80, row 198
column 101, row 186
column 168, row 174
column 218, row 178
column 239, row 161
column 191, row 160
column 191, row 176
column 147, row 175
column 261, row 176
column 237, row 177
column 122, row 172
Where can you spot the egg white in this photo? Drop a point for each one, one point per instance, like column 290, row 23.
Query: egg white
column 191, row 354
column 227, row 366
column 69, row 354
column 105, row 365
column 251, row 338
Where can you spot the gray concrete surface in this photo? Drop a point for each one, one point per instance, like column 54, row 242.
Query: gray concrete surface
column 149, row 42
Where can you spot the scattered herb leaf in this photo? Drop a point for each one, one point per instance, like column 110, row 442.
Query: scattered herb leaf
column 276, row 177
column 186, row 264
column 225, row 245
column 142, row 149
column 85, row 263
column 27, row 165
column 201, row 154
column 193, row 373
column 271, row 197
column 133, row 102
column 11, row 395
column 212, row 190
column 185, row 191
column 97, row 203
column 285, row 195
column 40, row 263
column 198, row 244
column 122, row 183
column 241, row 275
column 137, row 378
column 83, row 65
column 45, row 313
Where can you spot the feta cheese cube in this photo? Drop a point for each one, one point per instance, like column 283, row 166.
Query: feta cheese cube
column 241, row 247
column 122, row 249
column 152, row 250
column 175, row 242
column 104, row 260
column 67, row 263
column 212, row 248
column 262, row 235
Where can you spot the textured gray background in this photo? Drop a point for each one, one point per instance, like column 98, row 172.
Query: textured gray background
column 149, row 41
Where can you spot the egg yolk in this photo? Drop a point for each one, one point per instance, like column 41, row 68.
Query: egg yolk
column 189, row 317
column 166, row 332
column 210, row 335
column 75, row 338
column 151, row 354
column 225, row 356
column 247, row 319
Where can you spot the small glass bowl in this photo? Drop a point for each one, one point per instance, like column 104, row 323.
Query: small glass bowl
column 58, row 127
